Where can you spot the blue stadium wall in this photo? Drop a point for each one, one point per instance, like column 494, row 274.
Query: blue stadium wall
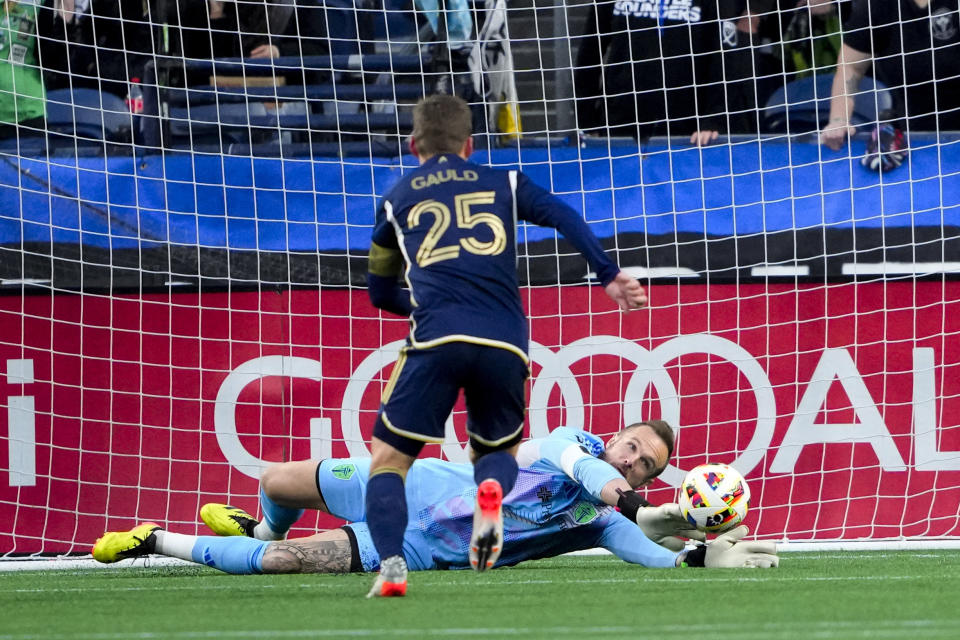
column 125, row 221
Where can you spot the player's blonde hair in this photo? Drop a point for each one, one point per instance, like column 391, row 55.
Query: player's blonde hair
column 441, row 124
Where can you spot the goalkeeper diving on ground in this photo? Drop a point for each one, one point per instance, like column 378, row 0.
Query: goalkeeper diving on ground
column 563, row 501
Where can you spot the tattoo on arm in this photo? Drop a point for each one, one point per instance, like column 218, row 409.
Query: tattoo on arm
column 324, row 556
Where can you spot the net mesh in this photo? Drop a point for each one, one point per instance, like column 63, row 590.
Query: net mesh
column 187, row 193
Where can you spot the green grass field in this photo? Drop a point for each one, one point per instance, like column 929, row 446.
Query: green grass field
column 824, row 595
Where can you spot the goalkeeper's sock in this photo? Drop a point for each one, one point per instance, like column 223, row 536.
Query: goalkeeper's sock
column 386, row 505
column 276, row 521
column 499, row 465
column 175, row 545
column 235, row 554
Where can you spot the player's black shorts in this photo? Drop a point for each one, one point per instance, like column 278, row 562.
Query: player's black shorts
column 424, row 387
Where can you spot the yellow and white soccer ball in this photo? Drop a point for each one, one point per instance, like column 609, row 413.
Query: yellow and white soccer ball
column 714, row 497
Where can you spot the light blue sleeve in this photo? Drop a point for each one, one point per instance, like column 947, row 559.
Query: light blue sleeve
column 628, row 542
column 587, row 469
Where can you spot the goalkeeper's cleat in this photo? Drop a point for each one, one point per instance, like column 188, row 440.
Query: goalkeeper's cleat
column 225, row 520
column 487, row 539
column 392, row 580
column 119, row 545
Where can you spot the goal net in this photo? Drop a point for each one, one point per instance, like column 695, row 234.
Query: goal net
column 186, row 203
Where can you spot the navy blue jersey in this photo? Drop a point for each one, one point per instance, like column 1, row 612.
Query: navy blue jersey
column 455, row 224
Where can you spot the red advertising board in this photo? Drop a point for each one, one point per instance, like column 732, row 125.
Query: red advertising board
column 840, row 402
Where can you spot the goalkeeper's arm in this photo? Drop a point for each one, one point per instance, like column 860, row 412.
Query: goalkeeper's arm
column 664, row 524
column 727, row 551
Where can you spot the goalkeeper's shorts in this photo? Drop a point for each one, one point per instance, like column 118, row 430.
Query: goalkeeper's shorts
column 342, row 483
column 416, row 551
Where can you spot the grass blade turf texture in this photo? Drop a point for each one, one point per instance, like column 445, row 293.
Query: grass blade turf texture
column 821, row 595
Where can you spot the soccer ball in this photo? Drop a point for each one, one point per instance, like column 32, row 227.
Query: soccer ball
column 714, row 497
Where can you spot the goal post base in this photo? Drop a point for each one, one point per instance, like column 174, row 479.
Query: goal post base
column 78, row 563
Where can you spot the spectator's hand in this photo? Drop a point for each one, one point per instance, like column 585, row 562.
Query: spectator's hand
column 627, row 292
column 216, row 9
column 703, row 138
column 835, row 134
column 729, row 552
column 265, row 51
column 664, row 524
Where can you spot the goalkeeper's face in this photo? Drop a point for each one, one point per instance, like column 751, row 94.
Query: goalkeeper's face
column 637, row 453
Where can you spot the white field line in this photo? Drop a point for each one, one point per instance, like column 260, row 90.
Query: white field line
column 87, row 562
column 763, row 631
column 661, row 578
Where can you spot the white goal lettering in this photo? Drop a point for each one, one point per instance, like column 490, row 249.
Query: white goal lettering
column 836, row 364
column 224, row 416
column 21, row 428
column 555, row 371
column 927, row 456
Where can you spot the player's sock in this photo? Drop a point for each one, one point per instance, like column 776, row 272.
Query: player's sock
column 235, row 554
column 276, row 521
column 499, row 465
column 175, row 545
column 386, row 512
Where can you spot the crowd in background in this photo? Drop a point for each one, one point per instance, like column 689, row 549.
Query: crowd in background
column 696, row 68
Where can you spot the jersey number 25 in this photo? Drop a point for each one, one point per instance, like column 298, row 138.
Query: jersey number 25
column 429, row 252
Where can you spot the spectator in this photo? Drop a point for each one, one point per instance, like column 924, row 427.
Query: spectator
column 283, row 28
column 246, row 28
column 96, row 44
column 21, row 83
column 914, row 48
column 654, row 68
column 778, row 41
column 811, row 34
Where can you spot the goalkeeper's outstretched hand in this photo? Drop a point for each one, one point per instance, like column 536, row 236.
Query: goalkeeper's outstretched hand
column 665, row 526
column 627, row 292
column 729, row 551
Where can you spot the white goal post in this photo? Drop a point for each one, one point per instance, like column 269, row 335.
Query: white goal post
column 182, row 294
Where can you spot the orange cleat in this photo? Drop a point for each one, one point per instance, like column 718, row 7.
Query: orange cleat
column 487, row 539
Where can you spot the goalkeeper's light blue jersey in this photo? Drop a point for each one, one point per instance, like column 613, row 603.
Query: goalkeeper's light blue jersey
column 548, row 512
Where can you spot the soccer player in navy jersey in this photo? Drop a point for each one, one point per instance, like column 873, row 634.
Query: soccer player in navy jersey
column 449, row 228
column 562, row 501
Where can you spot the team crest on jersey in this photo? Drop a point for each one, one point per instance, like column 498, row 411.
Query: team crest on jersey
column 943, row 24
column 584, row 513
column 343, row 471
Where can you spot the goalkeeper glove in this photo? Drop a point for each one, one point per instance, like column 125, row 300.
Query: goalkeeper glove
column 661, row 524
column 664, row 524
column 728, row 551
column 886, row 150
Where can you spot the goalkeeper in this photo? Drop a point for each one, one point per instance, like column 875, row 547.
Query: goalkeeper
column 560, row 503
